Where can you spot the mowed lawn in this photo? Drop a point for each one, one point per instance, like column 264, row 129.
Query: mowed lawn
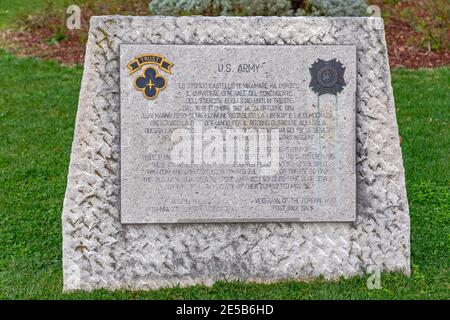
column 38, row 102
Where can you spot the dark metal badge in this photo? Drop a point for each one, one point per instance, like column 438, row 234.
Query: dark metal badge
column 327, row 77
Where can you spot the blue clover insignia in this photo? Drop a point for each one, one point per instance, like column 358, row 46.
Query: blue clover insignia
column 150, row 83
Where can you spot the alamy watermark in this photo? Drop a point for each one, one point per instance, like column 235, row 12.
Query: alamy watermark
column 374, row 281
column 258, row 147
column 73, row 21
column 375, row 12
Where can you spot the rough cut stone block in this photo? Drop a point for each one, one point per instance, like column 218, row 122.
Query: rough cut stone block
column 99, row 251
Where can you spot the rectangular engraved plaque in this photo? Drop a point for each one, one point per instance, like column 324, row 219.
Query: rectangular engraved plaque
column 215, row 133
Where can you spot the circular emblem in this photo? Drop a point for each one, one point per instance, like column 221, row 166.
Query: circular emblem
column 327, row 77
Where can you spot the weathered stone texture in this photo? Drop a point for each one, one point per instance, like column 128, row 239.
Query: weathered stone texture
column 100, row 252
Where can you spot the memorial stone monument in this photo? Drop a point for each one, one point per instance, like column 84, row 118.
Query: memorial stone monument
column 251, row 148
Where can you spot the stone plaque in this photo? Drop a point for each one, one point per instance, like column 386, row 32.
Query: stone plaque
column 214, row 133
column 122, row 169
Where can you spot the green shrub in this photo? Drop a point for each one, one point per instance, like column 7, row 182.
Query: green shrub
column 258, row 7
column 341, row 8
column 221, row 7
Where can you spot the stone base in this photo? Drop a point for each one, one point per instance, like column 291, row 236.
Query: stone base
column 100, row 252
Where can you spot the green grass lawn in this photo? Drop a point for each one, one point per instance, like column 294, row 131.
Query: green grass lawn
column 38, row 102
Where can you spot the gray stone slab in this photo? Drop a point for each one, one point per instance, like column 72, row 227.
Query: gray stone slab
column 260, row 89
column 101, row 252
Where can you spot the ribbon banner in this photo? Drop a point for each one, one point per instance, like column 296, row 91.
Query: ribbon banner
column 144, row 59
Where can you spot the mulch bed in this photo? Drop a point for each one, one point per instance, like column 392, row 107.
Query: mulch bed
column 35, row 43
column 401, row 37
column 402, row 52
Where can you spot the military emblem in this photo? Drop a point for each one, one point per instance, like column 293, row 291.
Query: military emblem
column 327, row 77
column 151, row 82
